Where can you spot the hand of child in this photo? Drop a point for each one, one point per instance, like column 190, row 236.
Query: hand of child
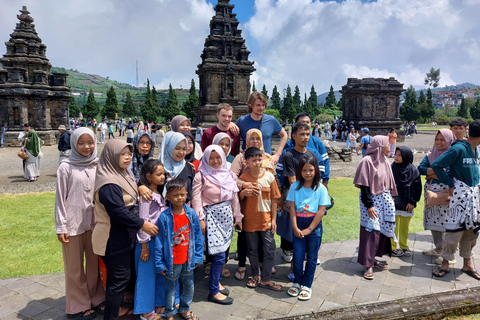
column 274, row 226
column 63, row 237
column 196, row 265
column 306, row 232
column 371, row 213
column 202, row 225
column 298, row 233
column 145, row 193
column 409, row 207
column 193, row 166
column 239, row 224
column 164, row 272
column 245, row 185
column 145, row 254
column 149, row 228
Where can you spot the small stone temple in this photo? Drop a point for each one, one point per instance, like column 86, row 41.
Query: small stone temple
column 225, row 69
column 28, row 91
column 373, row 103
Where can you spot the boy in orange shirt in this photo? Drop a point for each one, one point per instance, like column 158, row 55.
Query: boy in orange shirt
column 260, row 211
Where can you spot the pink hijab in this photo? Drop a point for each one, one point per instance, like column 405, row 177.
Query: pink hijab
column 374, row 170
column 222, row 177
column 449, row 137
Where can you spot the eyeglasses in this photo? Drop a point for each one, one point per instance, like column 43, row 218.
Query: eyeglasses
column 148, row 143
column 126, row 154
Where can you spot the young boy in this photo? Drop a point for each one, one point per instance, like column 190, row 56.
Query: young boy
column 178, row 249
column 462, row 224
column 260, row 211
column 458, row 127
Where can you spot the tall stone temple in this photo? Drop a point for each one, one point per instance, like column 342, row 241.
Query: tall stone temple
column 28, row 91
column 373, row 103
column 225, row 69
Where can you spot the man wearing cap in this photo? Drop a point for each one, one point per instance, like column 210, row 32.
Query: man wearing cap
column 366, row 139
column 64, row 148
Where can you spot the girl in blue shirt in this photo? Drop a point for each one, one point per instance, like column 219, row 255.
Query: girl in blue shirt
column 308, row 198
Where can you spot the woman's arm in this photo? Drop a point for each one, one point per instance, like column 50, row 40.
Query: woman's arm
column 60, row 210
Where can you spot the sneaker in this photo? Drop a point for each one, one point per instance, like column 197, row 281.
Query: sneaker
column 397, row 253
column 319, row 262
column 287, row 255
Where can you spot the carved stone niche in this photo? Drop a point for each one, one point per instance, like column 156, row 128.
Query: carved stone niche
column 3, row 76
column 58, row 79
column 16, row 75
column 40, row 76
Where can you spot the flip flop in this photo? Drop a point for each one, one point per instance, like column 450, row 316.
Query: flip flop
column 190, row 316
column 225, row 272
column 149, row 316
column 253, row 282
column 127, row 314
column 440, row 270
column 274, row 286
column 100, row 309
column 240, row 274
column 368, row 275
column 380, row 265
column 474, row 274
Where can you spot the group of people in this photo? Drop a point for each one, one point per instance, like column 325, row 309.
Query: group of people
column 153, row 221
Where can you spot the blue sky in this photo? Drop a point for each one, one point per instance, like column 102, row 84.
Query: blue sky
column 293, row 42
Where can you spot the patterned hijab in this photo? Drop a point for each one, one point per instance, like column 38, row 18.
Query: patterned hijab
column 221, row 177
column 109, row 171
column 449, row 137
column 267, row 159
column 177, row 121
column 219, row 137
column 374, row 170
column 76, row 158
column 137, row 160
column 170, row 141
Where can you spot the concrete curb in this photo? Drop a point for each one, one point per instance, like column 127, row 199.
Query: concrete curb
column 431, row 306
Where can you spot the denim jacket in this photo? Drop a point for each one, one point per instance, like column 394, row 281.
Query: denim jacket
column 164, row 241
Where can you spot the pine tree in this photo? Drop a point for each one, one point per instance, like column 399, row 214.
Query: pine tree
column 154, row 99
column 313, row 103
column 147, row 109
column 264, row 91
column 190, row 106
column 433, row 78
column 409, row 110
column 111, row 105
column 171, row 108
column 297, row 100
column 128, row 107
column 463, row 109
column 430, row 107
column 253, row 87
column 276, row 101
column 330, row 101
column 73, row 109
column 288, row 111
column 91, row 108
column 475, row 110
column 421, row 97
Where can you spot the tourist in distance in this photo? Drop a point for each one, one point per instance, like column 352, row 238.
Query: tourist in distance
column 116, row 222
column 375, row 180
column 199, row 134
column 267, row 124
column 326, row 128
column 352, row 137
column 4, row 129
column 462, row 225
column 159, row 137
column 31, row 144
column 130, row 130
column 215, row 200
column 434, row 216
column 392, row 141
column 74, row 220
column 110, row 131
column 365, row 141
column 224, row 115
column 180, row 124
column 64, row 148
column 103, row 130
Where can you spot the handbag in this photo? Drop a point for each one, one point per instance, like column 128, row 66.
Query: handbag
column 439, row 198
column 22, row 154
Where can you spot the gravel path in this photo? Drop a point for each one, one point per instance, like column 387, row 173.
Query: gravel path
column 12, row 181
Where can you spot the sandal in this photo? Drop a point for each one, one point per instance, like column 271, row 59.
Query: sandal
column 368, row 275
column 407, row 252
column 190, row 316
column 160, row 311
column 225, row 272
column 440, row 273
column 271, row 286
column 305, row 294
column 127, row 314
column 240, row 274
column 380, row 265
column 128, row 300
column 207, row 268
column 294, row 290
column 397, row 253
column 100, row 309
column 474, row 274
column 253, row 282
column 149, row 316
column 82, row 315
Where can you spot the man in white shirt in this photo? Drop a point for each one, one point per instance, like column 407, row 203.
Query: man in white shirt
column 103, row 129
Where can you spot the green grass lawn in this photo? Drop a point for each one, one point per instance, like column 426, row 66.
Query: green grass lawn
column 30, row 245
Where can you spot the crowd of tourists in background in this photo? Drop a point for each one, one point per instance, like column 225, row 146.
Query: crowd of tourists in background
column 153, row 221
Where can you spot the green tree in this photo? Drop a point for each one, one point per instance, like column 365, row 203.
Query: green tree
column 191, row 104
column 288, row 111
column 409, row 110
column 128, row 107
column 276, row 101
column 253, row 87
column 73, row 109
column 463, row 110
column 148, row 109
column 475, row 110
column 111, row 105
column 297, row 100
column 275, row 113
column 154, row 99
column 330, row 101
column 313, row 103
column 171, row 108
column 432, row 78
column 430, row 111
column 421, row 97
column 90, row 108
column 264, row 91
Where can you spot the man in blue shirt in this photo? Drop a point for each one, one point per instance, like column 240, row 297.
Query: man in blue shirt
column 267, row 124
column 365, row 141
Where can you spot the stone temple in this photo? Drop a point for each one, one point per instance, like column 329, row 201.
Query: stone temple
column 28, row 91
column 225, row 69
column 373, row 103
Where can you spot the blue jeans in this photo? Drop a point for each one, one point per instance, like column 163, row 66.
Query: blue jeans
column 216, row 267
column 101, row 136
column 180, row 272
column 333, row 137
column 309, row 245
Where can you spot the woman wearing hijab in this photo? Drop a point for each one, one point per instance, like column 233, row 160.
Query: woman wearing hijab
column 181, row 123
column 216, row 202
column 409, row 189
column 225, row 142
column 190, row 157
column 74, row 224
column 434, row 216
column 143, row 149
column 116, row 222
column 32, row 144
column 172, row 156
column 375, row 179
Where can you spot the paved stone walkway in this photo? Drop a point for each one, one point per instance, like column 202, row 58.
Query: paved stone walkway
column 338, row 282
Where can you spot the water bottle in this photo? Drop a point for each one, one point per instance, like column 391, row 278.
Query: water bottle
column 370, row 224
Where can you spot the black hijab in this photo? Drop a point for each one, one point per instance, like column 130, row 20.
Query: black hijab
column 405, row 172
column 191, row 156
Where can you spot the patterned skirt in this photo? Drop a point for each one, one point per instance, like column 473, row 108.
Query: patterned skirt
column 434, row 216
column 219, row 226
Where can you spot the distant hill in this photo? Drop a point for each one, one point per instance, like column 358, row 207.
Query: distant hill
column 322, row 97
